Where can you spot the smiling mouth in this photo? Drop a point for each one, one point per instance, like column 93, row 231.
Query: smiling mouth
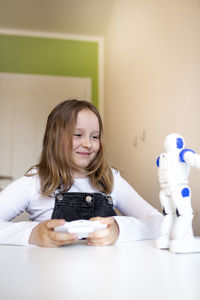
column 83, row 153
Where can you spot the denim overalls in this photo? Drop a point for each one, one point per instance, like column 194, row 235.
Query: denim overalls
column 75, row 206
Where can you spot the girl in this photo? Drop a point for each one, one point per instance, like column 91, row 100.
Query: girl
column 72, row 181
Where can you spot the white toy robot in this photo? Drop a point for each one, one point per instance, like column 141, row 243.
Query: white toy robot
column 175, row 196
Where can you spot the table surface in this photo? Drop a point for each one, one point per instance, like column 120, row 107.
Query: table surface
column 135, row 270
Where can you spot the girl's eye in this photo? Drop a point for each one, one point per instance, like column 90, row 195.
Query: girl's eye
column 77, row 134
column 95, row 137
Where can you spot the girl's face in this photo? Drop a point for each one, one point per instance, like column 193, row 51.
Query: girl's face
column 85, row 141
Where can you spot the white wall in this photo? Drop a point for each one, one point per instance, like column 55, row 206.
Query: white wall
column 25, row 103
column 152, row 84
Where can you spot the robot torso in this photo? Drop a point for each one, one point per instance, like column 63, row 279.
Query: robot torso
column 171, row 170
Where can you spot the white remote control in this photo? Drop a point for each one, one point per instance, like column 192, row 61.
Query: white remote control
column 81, row 227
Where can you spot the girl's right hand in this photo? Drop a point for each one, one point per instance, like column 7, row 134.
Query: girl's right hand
column 44, row 235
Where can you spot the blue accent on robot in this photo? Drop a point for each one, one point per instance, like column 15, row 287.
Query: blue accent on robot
column 181, row 155
column 179, row 143
column 158, row 161
column 185, row 192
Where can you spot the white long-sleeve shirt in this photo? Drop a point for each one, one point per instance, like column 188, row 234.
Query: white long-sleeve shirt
column 139, row 221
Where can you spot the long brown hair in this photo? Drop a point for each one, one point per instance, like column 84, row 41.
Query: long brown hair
column 54, row 167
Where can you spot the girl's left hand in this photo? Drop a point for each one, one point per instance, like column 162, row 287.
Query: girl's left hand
column 104, row 237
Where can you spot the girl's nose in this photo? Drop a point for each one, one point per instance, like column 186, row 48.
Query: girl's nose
column 86, row 142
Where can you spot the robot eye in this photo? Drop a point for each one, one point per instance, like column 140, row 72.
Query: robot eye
column 179, row 143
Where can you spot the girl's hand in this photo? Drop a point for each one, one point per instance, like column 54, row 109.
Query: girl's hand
column 106, row 236
column 44, row 235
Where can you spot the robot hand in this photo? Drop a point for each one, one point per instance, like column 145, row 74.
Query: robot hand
column 190, row 157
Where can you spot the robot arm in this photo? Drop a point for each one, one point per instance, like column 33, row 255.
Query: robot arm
column 190, row 157
column 158, row 162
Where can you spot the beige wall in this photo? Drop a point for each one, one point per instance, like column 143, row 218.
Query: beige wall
column 152, row 72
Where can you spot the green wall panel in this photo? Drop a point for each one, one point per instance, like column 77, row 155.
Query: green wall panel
column 48, row 56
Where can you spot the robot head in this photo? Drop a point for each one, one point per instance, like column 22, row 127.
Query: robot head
column 174, row 142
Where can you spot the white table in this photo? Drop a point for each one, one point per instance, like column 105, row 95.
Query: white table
column 135, row 271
